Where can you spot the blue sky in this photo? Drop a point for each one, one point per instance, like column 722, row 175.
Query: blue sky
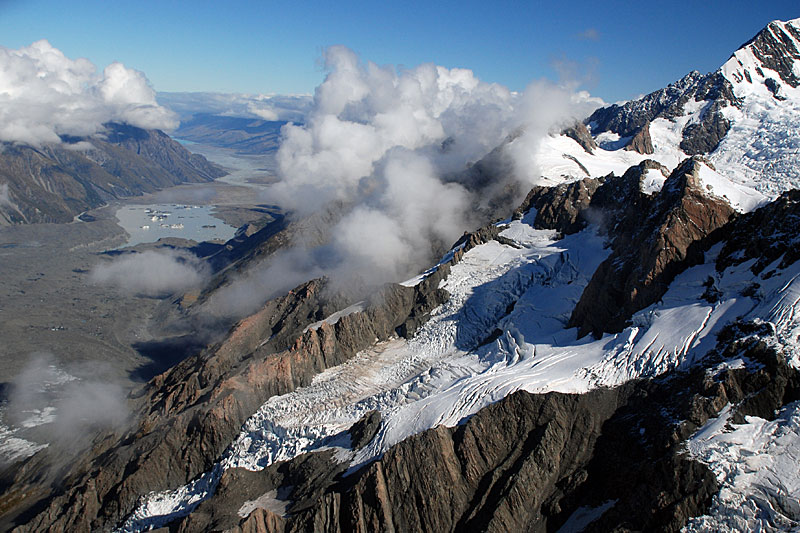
column 618, row 50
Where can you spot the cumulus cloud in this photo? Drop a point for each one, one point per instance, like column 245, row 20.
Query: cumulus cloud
column 45, row 95
column 151, row 273
column 364, row 115
column 388, row 148
column 271, row 107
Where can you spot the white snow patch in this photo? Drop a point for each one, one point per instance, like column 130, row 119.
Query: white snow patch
column 741, row 197
column 14, row 448
column 652, row 181
column 757, row 465
column 584, row 516
column 268, row 501
column 554, row 168
column 762, row 148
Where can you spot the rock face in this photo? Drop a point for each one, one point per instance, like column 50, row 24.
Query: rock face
column 776, row 51
column 55, row 183
column 653, row 237
column 563, row 207
column 704, row 136
column 648, row 253
column 193, row 411
column 641, row 142
column 766, row 235
column 526, row 463
column 581, row 135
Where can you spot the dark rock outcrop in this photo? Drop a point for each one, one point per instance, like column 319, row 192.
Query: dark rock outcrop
column 363, row 431
column 766, row 235
column 648, row 253
column 641, row 141
column 627, row 119
column 632, row 119
column 704, row 136
column 580, row 134
column 526, row 463
column 775, row 50
column 563, row 207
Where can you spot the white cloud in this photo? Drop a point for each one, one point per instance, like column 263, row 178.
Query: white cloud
column 545, row 107
column 66, row 402
column 44, row 94
column 388, row 145
column 362, row 112
column 151, row 273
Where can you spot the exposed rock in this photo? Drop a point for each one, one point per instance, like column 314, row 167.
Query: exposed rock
column 363, row 431
column 577, row 162
column 776, row 51
column 704, row 136
column 775, row 88
column 766, row 235
column 526, row 463
column 580, row 134
column 563, row 207
column 641, row 141
column 648, row 251
column 628, row 119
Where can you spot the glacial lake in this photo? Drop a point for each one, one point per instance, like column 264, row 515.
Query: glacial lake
column 148, row 223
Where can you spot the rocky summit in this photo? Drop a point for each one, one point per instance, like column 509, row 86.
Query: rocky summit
column 615, row 349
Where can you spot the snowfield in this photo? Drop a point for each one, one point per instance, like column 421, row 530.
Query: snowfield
column 454, row 366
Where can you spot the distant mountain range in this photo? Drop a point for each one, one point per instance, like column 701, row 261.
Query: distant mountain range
column 245, row 135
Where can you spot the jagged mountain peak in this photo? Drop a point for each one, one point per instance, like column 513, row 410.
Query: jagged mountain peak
column 769, row 58
column 743, row 118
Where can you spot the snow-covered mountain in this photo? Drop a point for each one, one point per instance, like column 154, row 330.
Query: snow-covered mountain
column 621, row 351
column 743, row 117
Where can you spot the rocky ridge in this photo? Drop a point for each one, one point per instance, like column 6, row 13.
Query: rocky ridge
column 632, row 119
column 648, row 251
column 190, row 414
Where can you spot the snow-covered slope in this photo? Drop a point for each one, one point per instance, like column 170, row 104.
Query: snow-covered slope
column 756, row 463
column 763, row 144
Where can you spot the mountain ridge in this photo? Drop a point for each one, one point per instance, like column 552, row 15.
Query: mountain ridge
column 54, row 183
